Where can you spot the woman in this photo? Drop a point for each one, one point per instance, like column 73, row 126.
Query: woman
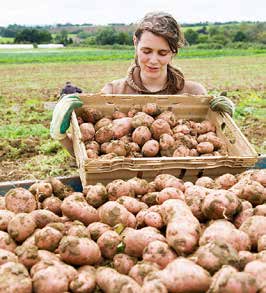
column 157, row 40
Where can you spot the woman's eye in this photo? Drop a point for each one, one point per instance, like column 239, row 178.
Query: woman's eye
column 163, row 53
column 146, row 51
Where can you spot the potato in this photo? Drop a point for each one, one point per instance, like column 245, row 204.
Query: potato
column 229, row 280
column 48, row 238
column 108, row 242
column 241, row 217
column 141, row 119
column 44, row 217
column 205, row 147
column 104, row 134
column 244, row 257
column 123, row 263
column 262, row 243
column 183, row 229
column 117, row 147
column 48, row 256
column 53, row 204
column 255, row 227
column 151, row 109
column 20, row 200
column 133, row 110
column 79, row 251
column 75, row 207
column 78, row 229
column 105, row 121
column 154, row 285
column 14, row 277
column 50, row 279
column 159, row 252
column 121, row 127
column 92, row 154
column 150, row 148
column 181, row 151
column 194, row 196
column 166, row 180
column 118, row 188
column 257, row 269
column 95, row 195
column 113, row 213
column 169, row 117
column 143, row 268
column 27, row 255
column 85, row 281
column 259, row 176
column 260, row 210
column 131, row 204
column 96, row 229
column 141, row 135
column 182, row 275
column 225, row 181
column 250, row 190
column 2, row 203
column 213, row 255
column 139, row 186
column 59, row 189
column 136, row 240
column 159, row 127
column 87, row 131
column 205, row 181
column 21, row 226
column 41, row 190
column 153, row 219
column 219, row 204
column 109, row 280
column 118, row 114
column 7, row 256
column 150, row 198
column 223, row 230
column 169, row 193
column 5, row 218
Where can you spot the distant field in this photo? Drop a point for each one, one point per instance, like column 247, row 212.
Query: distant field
column 6, row 40
column 94, row 54
column 26, row 149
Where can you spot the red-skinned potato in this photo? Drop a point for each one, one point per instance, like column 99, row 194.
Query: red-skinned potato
column 96, row 194
column 141, row 135
column 48, row 238
column 87, row 131
column 7, row 256
column 159, row 252
column 169, row 193
column 41, row 190
column 143, row 268
column 169, row 117
column 108, row 242
column 5, row 217
column 123, row 263
column 15, row 278
column 20, row 200
column 159, row 127
column 142, row 119
column 53, row 204
column 85, row 281
column 150, row 148
column 109, row 280
column 121, row 127
column 151, row 109
column 104, row 134
column 96, row 229
column 27, row 255
column 79, row 251
column 21, row 226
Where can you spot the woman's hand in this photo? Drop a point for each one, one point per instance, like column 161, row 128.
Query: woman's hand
column 222, row 104
column 62, row 115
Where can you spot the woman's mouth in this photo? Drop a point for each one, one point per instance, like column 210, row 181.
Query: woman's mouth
column 152, row 69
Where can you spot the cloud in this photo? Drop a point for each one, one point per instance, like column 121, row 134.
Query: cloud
column 33, row 12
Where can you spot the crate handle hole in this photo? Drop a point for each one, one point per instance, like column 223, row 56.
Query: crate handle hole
column 182, row 173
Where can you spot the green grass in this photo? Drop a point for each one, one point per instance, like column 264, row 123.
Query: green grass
column 4, row 40
column 96, row 54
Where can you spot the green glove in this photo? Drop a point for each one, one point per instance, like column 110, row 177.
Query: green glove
column 222, row 104
column 62, row 115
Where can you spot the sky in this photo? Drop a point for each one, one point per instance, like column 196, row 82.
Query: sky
column 42, row 12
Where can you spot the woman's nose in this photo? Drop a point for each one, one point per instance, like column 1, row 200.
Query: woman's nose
column 154, row 58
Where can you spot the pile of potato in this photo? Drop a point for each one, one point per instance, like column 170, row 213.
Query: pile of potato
column 146, row 131
column 136, row 236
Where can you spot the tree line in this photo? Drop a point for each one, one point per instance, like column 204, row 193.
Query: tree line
column 202, row 35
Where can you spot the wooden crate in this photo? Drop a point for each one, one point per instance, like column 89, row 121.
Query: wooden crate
column 241, row 154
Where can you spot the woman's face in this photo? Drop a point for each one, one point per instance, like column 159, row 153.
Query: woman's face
column 153, row 53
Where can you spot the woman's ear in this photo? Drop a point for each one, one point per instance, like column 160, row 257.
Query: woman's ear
column 135, row 41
